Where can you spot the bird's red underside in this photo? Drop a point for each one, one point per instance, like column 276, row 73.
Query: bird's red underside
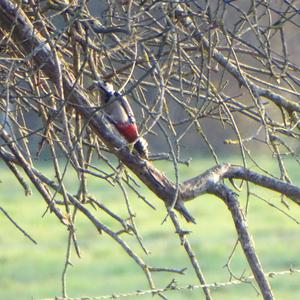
column 129, row 131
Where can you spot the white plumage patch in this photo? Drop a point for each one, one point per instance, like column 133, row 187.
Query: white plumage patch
column 141, row 146
column 109, row 87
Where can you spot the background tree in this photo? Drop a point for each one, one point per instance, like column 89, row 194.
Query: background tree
column 197, row 73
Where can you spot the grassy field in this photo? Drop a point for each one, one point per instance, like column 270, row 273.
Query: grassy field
column 29, row 271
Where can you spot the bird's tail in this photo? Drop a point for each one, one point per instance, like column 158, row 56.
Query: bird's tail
column 141, row 147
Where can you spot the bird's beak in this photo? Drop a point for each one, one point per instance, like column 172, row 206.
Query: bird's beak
column 92, row 87
column 96, row 86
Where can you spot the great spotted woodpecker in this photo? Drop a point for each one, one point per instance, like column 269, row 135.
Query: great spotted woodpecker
column 121, row 116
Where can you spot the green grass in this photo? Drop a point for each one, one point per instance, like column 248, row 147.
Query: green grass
column 29, row 271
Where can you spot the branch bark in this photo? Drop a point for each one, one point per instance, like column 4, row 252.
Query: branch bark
column 229, row 197
column 200, row 184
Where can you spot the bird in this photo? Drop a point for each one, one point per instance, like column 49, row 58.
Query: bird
column 119, row 113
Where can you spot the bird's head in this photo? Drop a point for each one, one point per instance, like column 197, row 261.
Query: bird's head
column 104, row 87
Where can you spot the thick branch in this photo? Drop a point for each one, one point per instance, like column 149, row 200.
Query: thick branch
column 201, row 183
column 287, row 189
column 245, row 239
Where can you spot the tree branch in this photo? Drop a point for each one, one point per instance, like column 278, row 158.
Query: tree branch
column 223, row 192
column 242, row 78
column 200, row 184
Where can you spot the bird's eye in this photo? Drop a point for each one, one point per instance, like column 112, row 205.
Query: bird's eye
column 117, row 94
